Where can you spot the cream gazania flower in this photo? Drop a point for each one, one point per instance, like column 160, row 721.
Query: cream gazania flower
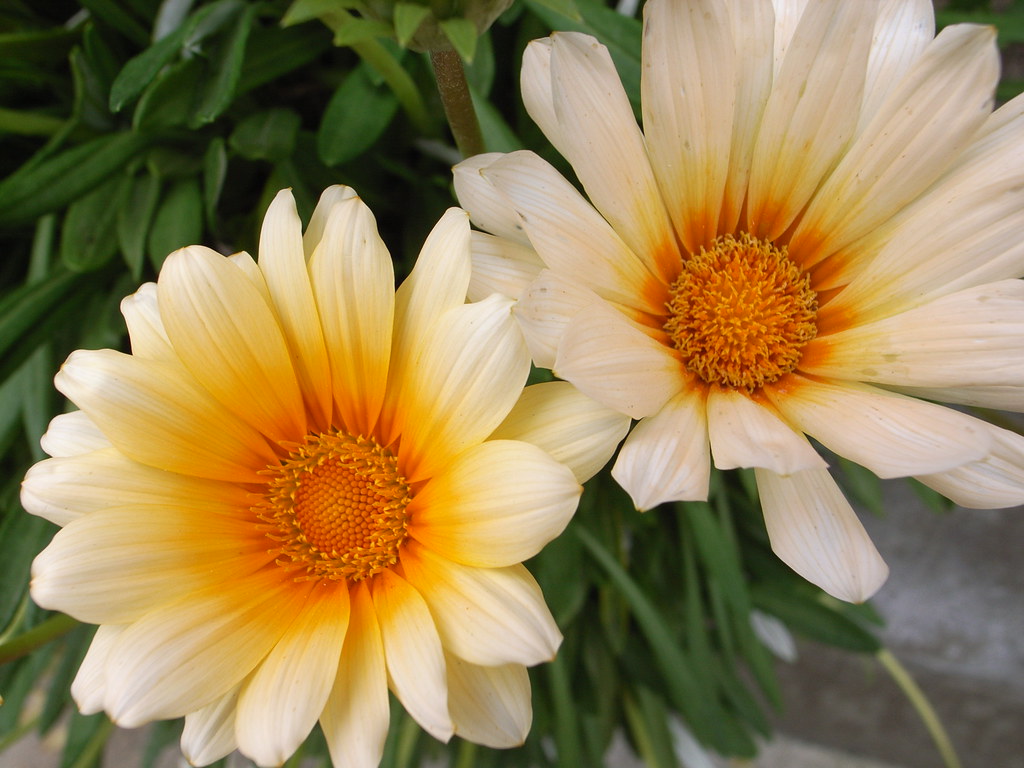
column 302, row 488
column 817, row 232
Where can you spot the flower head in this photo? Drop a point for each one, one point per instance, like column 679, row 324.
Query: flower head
column 817, row 231
column 303, row 488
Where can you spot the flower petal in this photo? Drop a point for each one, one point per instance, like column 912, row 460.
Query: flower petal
column 745, row 433
column 323, row 213
column 617, row 364
column 89, row 688
column 494, row 505
column 283, row 263
column 488, row 208
column 230, row 341
column 354, row 284
column 814, row 530
column 666, row 457
column 187, row 654
column 501, row 266
column 281, row 701
column 489, row 705
column 574, row 429
column 72, row 434
column 63, row 489
column 464, row 381
column 145, row 557
column 995, row 482
column 356, row 716
column 145, row 326
column 487, row 616
column 545, row 310
column 811, row 112
column 413, row 652
column 209, row 732
column 156, row 415
column 892, row 435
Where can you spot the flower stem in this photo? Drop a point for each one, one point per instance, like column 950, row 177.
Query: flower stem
column 458, row 104
column 920, row 702
column 25, row 643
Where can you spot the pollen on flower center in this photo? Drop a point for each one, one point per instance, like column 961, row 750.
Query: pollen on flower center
column 336, row 508
column 741, row 312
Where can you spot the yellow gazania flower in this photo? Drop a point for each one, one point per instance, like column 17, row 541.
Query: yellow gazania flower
column 821, row 222
column 302, row 488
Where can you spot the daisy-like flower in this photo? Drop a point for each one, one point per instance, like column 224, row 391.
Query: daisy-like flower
column 816, row 233
column 302, row 489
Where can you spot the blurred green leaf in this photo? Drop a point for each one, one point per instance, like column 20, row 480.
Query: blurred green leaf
column 356, row 116
column 47, row 185
column 22, row 536
column 647, row 718
column 140, row 71
column 407, row 19
column 168, row 101
column 178, row 221
column 268, row 135
column 89, row 236
column 218, row 90
column 133, row 220
column 117, row 17
column 87, row 735
column 809, row 617
column 215, row 170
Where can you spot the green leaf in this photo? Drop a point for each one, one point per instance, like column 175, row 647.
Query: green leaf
column 462, row 34
column 24, row 307
column 168, row 101
column 140, row 71
column 268, row 135
column 566, row 8
column 88, row 237
column 113, row 14
column 306, row 10
column 43, row 46
column 647, row 718
column 87, row 735
column 349, row 30
column 47, row 185
column 356, row 116
column 813, row 619
column 22, row 536
column 218, row 90
column 133, row 219
column 407, row 19
column 178, row 221
column 215, row 170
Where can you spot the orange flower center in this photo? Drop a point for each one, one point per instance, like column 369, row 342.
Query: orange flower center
column 336, row 507
column 741, row 313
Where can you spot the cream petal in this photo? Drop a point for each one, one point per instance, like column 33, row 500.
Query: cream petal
column 666, row 457
column 464, row 381
column 283, row 263
column 114, row 565
column 63, row 489
column 248, row 267
column 494, row 505
column 814, row 530
column 574, row 429
column 973, row 338
column 811, row 113
column 787, row 16
column 535, row 85
column 209, row 732
column 745, row 433
column 141, row 313
column 356, row 716
column 923, row 124
column 281, row 701
column 488, row 208
column 617, row 364
column 489, row 705
column 187, row 654
column 89, row 688
column 438, row 282
column 601, row 140
column 322, row 214
column 488, row 616
column 903, row 30
column 230, row 341
column 412, row 648
column 72, row 434
column 571, row 237
column 500, row 266
column 154, row 413
column 545, row 310
column 995, row 482
column 1002, row 397
column 354, row 284
column 688, row 96
column 892, row 435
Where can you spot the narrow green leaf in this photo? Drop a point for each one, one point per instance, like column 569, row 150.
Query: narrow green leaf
column 178, row 221
column 87, row 735
column 24, row 307
column 140, row 71
column 356, row 116
column 349, row 30
column 811, row 618
column 48, row 185
column 306, row 10
column 168, row 101
column 566, row 8
column 22, row 536
column 271, row 53
column 407, row 19
column 268, row 135
column 133, row 220
column 42, row 46
column 462, row 34
column 647, row 718
column 215, row 170
column 218, row 91
column 89, row 236
column 566, row 715
column 113, row 14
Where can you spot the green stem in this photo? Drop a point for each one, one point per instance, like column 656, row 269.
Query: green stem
column 458, row 104
column 25, row 643
column 29, row 123
column 376, row 55
column 921, row 704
